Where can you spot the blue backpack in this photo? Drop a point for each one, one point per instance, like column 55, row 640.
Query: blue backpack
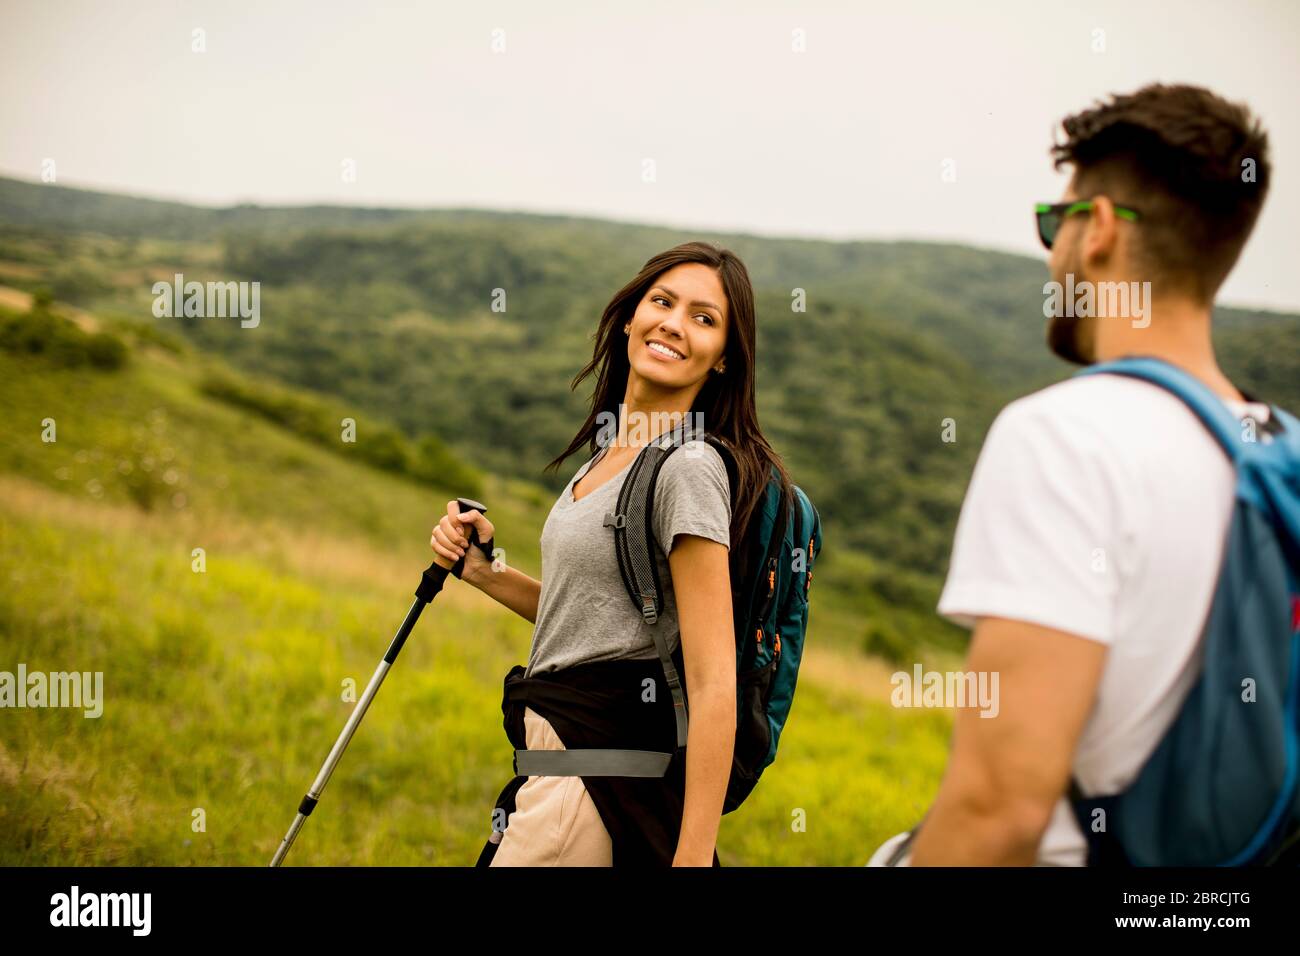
column 1220, row 788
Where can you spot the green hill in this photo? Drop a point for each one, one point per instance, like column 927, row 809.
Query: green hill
column 390, row 310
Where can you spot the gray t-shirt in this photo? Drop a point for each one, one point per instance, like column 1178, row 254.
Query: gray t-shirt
column 584, row 613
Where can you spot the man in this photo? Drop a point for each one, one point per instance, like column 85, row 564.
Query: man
column 1090, row 539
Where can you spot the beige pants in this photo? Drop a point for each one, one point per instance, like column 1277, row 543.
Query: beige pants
column 554, row 823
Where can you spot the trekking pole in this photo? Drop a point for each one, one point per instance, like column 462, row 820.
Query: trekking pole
column 430, row 584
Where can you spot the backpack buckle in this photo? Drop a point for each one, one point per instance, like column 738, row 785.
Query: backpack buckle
column 648, row 612
column 618, row 521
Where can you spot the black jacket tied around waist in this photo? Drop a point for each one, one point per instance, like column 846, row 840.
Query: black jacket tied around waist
column 603, row 705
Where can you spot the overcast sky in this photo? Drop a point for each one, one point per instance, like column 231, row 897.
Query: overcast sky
column 569, row 107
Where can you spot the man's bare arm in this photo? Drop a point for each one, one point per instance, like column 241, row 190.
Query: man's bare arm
column 1006, row 773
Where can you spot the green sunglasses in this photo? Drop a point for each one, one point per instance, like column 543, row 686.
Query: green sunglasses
column 1051, row 215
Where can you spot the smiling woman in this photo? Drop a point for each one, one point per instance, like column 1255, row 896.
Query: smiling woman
column 676, row 343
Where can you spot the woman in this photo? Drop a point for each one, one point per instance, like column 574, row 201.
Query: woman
column 677, row 342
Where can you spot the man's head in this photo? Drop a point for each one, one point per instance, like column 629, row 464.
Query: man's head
column 1196, row 169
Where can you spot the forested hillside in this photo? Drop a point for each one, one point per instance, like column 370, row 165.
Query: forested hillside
column 392, row 311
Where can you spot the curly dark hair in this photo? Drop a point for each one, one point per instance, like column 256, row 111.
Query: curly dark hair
column 1196, row 165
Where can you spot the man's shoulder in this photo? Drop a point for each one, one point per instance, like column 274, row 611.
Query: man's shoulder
column 1109, row 408
column 1088, row 396
column 1091, row 426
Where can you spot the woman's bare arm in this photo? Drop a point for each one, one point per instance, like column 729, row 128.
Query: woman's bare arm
column 510, row 587
column 450, row 541
column 702, row 585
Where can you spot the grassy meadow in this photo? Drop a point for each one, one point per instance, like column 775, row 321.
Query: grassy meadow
column 223, row 688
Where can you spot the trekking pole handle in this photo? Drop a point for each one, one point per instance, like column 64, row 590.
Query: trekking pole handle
column 436, row 573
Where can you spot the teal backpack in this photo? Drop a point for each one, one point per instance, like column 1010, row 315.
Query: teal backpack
column 771, row 572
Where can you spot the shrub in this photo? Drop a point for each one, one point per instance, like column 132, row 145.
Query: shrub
column 106, row 351
column 60, row 341
column 436, row 463
column 378, row 445
column 383, row 448
column 881, row 640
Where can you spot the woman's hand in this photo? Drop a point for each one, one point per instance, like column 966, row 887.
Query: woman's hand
column 450, row 541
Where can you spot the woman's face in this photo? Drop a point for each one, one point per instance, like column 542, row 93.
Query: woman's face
column 679, row 329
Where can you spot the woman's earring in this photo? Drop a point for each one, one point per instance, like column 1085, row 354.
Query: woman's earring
column 627, row 328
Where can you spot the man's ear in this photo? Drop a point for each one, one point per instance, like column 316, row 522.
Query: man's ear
column 1101, row 232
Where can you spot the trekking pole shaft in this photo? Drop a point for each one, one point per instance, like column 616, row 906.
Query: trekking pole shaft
column 430, row 584
column 354, row 719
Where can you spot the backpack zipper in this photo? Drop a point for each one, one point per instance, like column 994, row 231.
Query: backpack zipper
column 771, row 557
column 812, row 538
column 807, row 583
column 767, row 607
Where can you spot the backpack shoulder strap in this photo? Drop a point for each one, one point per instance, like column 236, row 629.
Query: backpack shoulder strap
column 634, row 546
column 632, row 521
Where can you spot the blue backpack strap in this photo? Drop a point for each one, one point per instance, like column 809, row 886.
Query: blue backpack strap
column 1207, row 406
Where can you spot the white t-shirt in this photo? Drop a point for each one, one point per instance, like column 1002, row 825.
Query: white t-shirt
column 1100, row 506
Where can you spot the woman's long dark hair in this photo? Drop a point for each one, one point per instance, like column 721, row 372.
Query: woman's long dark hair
column 726, row 398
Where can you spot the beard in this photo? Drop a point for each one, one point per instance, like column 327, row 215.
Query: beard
column 1069, row 336
column 1063, row 337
